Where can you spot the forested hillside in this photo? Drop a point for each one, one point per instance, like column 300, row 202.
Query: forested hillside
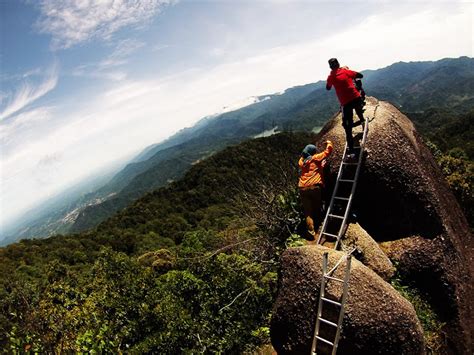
column 188, row 267
column 437, row 96
column 159, row 164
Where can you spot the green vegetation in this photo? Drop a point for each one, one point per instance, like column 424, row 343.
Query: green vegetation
column 192, row 268
column 452, row 145
column 432, row 94
column 188, row 268
column 432, row 326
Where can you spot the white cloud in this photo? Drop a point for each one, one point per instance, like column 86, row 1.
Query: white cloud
column 108, row 67
column 100, row 72
column 136, row 113
column 126, row 47
column 71, row 22
column 160, row 47
column 28, row 92
column 32, row 72
column 16, row 126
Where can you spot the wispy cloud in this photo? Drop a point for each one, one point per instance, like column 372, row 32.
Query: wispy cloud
column 100, row 72
column 125, row 48
column 71, row 22
column 5, row 77
column 15, row 129
column 142, row 112
column 160, row 47
column 28, row 92
column 108, row 68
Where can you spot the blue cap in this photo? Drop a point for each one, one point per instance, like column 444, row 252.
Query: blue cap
column 309, row 150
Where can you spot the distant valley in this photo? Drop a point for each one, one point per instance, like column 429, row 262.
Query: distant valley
column 427, row 91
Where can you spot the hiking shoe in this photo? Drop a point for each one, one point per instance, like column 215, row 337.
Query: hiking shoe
column 312, row 234
column 350, row 156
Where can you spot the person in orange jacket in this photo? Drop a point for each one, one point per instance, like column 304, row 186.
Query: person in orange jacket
column 311, row 183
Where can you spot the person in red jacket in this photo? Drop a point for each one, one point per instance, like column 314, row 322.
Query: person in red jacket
column 311, row 183
column 350, row 96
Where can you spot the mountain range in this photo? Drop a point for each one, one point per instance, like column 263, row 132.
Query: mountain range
column 426, row 91
column 195, row 266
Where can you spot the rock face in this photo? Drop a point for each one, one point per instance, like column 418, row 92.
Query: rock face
column 401, row 194
column 377, row 320
column 368, row 251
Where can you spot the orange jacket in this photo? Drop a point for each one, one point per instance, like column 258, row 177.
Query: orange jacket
column 311, row 168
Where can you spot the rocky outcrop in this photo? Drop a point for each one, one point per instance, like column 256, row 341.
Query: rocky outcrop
column 368, row 251
column 401, row 194
column 377, row 320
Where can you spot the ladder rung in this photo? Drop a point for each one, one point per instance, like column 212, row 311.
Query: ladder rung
column 324, row 340
column 335, row 216
column 331, row 301
column 346, row 180
column 328, row 322
column 347, row 163
column 342, row 198
column 333, row 278
column 331, row 235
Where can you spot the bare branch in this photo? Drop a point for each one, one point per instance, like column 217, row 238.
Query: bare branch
column 235, row 299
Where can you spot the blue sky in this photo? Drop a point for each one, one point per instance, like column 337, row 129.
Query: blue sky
column 86, row 83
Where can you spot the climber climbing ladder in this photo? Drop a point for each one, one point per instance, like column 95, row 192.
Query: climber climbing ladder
column 340, row 205
column 336, row 325
column 336, row 218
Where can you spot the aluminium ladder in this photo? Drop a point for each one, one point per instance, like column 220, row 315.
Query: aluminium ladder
column 343, row 193
column 327, row 276
column 338, row 212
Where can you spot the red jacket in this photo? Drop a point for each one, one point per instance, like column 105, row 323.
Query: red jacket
column 343, row 81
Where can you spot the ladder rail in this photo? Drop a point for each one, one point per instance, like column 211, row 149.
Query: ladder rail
column 330, row 272
column 320, row 304
column 325, row 275
column 343, row 302
column 353, row 188
column 331, row 203
column 354, row 184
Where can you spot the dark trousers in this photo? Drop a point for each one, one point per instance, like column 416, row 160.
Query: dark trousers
column 348, row 119
column 311, row 199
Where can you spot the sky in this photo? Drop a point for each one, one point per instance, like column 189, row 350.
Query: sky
column 84, row 84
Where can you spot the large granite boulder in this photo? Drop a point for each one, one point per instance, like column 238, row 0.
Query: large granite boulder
column 377, row 320
column 368, row 251
column 401, row 194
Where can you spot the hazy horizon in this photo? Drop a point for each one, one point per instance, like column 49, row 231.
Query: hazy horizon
column 79, row 80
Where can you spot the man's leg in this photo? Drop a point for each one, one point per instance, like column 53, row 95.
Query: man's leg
column 359, row 109
column 347, row 122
